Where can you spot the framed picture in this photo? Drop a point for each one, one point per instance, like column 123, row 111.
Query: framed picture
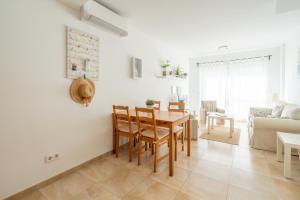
column 82, row 54
column 137, row 68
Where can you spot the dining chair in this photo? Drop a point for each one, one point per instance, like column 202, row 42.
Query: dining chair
column 150, row 133
column 156, row 105
column 124, row 127
column 178, row 130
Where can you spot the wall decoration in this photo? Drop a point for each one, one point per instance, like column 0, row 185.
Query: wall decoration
column 82, row 54
column 82, row 90
column 137, row 68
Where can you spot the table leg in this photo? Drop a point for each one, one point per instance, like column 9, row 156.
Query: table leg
column 279, row 150
column 287, row 161
column 171, row 161
column 188, row 138
column 231, row 127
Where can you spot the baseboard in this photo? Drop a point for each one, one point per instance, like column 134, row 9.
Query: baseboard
column 54, row 178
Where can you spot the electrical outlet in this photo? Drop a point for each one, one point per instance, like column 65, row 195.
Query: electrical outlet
column 50, row 158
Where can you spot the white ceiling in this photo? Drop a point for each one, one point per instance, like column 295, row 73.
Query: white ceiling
column 199, row 26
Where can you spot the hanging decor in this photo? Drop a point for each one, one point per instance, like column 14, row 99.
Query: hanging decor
column 82, row 54
column 82, row 90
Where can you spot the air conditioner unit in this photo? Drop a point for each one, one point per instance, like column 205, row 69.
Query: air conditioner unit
column 98, row 14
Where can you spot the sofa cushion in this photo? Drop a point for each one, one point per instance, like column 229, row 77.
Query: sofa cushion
column 291, row 111
column 277, row 110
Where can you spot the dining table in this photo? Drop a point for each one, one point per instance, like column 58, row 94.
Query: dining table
column 170, row 120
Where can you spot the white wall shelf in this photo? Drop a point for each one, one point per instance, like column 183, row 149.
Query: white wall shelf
column 170, row 77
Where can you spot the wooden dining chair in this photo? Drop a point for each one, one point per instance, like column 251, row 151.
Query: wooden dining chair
column 124, row 127
column 178, row 130
column 150, row 133
column 156, row 105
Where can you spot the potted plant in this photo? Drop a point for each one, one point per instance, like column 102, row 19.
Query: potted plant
column 149, row 103
column 164, row 67
column 178, row 71
column 184, row 75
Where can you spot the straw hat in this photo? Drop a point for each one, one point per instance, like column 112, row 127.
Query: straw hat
column 82, row 91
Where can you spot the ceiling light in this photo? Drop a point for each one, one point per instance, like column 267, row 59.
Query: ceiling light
column 223, row 48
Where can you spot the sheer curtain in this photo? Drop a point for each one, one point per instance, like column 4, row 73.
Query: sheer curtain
column 236, row 86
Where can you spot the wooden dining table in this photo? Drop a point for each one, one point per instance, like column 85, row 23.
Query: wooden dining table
column 170, row 120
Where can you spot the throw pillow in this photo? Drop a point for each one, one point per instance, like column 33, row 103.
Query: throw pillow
column 291, row 111
column 277, row 110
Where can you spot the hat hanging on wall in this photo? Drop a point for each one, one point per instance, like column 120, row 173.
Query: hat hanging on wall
column 82, row 90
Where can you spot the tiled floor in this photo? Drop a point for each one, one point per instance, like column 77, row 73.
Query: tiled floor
column 214, row 171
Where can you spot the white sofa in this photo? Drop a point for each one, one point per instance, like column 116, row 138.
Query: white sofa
column 263, row 127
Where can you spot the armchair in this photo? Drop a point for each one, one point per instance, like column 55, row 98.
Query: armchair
column 208, row 107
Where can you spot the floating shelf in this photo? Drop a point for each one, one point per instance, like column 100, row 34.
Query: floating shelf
column 170, row 77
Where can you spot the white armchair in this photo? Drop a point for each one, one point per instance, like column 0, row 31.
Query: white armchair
column 208, row 107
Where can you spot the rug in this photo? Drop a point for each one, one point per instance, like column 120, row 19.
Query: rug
column 221, row 134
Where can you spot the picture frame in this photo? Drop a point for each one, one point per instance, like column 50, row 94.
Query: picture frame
column 137, row 68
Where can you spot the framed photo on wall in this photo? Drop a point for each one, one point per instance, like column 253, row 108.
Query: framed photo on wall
column 137, row 68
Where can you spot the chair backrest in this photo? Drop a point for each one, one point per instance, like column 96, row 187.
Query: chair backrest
column 146, row 120
column 156, row 105
column 176, row 106
column 121, row 116
column 209, row 106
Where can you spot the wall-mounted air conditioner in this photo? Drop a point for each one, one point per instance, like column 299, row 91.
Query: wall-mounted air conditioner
column 98, row 14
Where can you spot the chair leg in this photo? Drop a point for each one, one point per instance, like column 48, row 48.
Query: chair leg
column 152, row 148
column 139, row 151
column 155, row 156
column 176, row 142
column 182, row 141
column 134, row 141
column 146, row 146
column 117, row 144
column 130, row 151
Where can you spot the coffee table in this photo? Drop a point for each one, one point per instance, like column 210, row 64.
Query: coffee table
column 212, row 116
column 287, row 141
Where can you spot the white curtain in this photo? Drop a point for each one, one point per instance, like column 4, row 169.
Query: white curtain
column 236, row 86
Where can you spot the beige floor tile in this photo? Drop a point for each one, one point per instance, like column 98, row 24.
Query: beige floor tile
column 185, row 162
column 202, row 187
column 123, row 181
column 217, row 171
column 97, row 192
column 151, row 190
column 82, row 196
column 67, row 187
column 99, row 172
column 218, row 157
column 287, row 190
column 35, row 195
column 176, row 181
column 256, row 164
column 251, row 181
column 249, row 152
column 184, row 196
column 237, row 193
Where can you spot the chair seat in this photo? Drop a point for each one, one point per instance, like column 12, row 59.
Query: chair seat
column 125, row 128
column 161, row 133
